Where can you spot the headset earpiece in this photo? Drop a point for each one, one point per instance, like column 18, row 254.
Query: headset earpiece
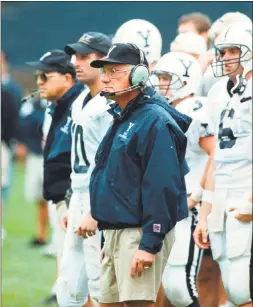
column 139, row 74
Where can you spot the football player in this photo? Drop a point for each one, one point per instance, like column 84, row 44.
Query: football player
column 79, row 274
column 228, row 213
column 179, row 77
column 207, row 58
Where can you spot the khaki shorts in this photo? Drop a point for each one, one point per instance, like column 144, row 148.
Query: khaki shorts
column 116, row 284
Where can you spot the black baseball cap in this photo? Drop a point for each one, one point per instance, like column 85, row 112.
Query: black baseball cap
column 54, row 60
column 122, row 54
column 90, row 42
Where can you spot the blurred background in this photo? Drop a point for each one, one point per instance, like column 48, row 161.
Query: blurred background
column 28, row 30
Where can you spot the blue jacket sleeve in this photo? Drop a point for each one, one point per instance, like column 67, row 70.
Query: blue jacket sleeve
column 161, row 187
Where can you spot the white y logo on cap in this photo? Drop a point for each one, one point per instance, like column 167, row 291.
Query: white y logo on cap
column 45, row 55
column 110, row 50
column 86, row 38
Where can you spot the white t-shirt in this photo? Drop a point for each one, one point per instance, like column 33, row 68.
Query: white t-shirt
column 201, row 126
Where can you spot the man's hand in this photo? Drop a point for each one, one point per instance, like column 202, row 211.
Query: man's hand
column 88, row 227
column 64, row 222
column 240, row 216
column 142, row 260
column 243, row 213
column 200, row 235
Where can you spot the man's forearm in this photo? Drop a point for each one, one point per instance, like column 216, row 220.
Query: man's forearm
column 205, row 209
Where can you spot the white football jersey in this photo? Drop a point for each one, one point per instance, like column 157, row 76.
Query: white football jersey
column 200, row 127
column 233, row 125
column 90, row 124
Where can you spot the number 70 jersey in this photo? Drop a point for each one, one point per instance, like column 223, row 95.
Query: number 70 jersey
column 90, row 124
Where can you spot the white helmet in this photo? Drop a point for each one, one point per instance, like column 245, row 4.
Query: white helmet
column 189, row 42
column 224, row 21
column 185, row 73
column 144, row 35
column 239, row 35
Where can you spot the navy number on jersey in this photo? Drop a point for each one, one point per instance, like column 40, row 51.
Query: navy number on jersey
column 226, row 135
column 81, row 163
column 197, row 105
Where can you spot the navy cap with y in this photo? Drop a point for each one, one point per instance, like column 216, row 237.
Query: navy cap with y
column 54, row 60
column 90, row 42
column 122, row 54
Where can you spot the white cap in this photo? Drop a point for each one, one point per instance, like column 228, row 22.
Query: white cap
column 189, row 42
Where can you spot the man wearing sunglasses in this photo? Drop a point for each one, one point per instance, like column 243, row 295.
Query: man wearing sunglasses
column 79, row 276
column 56, row 81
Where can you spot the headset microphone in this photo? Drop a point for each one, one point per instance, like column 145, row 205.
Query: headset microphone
column 128, row 89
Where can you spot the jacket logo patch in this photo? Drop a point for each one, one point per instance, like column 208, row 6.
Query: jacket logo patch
column 65, row 128
column 124, row 135
column 156, row 227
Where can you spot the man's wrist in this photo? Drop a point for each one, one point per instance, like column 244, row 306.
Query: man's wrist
column 207, row 196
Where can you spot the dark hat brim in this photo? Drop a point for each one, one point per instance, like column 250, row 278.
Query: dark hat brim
column 101, row 63
column 39, row 66
column 78, row 48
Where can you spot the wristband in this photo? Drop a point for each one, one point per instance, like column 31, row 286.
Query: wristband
column 207, row 196
column 196, row 194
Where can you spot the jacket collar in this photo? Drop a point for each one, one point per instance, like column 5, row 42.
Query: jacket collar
column 71, row 94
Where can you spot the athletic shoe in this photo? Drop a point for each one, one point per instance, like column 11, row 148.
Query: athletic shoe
column 51, row 299
column 37, row 242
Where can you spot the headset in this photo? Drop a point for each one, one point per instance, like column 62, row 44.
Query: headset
column 138, row 77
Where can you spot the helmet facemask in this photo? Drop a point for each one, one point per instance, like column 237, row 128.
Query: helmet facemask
column 169, row 83
column 218, row 65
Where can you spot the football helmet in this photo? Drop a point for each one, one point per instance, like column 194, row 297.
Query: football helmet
column 144, row 35
column 238, row 35
column 183, row 73
column 223, row 22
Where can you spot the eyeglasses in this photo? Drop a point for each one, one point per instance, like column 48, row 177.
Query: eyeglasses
column 111, row 72
column 43, row 77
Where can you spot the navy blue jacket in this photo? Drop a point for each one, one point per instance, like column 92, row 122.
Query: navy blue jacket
column 30, row 122
column 57, row 151
column 138, row 180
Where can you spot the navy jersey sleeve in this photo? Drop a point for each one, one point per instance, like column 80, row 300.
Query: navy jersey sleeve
column 161, row 187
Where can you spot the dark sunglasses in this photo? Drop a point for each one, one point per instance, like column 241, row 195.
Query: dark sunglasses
column 43, row 77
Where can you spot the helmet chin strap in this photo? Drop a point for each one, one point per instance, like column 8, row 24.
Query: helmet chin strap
column 240, row 85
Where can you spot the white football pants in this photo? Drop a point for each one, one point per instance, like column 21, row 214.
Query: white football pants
column 79, row 274
column 179, row 277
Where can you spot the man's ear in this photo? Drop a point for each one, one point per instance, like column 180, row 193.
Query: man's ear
column 69, row 77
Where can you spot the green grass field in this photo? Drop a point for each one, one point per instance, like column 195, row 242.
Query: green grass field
column 27, row 276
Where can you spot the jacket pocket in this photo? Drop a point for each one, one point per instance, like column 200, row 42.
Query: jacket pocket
column 124, row 199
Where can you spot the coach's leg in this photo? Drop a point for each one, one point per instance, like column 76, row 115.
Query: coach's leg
column 139, row 304
column 162, row 300
column 111, row 305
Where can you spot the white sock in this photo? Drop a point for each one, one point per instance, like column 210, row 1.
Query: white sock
column 52, row 220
